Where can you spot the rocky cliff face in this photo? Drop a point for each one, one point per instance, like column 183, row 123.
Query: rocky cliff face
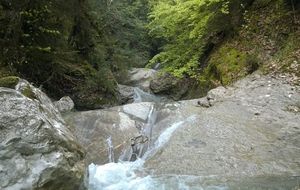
column 37, row 150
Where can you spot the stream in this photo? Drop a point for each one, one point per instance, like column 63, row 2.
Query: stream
column 249, row 139
column 127, row 174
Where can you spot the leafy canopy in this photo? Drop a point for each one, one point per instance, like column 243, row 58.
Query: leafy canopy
column 186, row 26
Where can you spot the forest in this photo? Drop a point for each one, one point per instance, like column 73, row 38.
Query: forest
column 149, row 94
column 83, row 48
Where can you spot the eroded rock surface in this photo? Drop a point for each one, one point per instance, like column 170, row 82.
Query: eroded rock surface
column 119, row 124
column 249, row 131
column 37, row 149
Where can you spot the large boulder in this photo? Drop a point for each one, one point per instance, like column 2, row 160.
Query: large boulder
column 141, row 77
column 169, row 85
column 65, row 104
column 37, row 149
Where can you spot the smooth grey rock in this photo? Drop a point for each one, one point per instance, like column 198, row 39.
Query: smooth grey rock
column 65, row 104
column 228, row 141
column 37, row 149
column 138, row 110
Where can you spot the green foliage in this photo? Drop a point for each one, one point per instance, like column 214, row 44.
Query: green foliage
column 9, row 82
column 121, row 29
column 188, row 28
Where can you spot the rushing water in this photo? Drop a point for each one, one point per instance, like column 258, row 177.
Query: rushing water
column 227, row 146
column 126, row 175
column 110, row 148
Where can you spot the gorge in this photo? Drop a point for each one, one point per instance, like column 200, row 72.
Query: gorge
column 255, row 145
column 149, row 94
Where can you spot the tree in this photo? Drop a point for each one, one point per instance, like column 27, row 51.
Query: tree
column 190, row 28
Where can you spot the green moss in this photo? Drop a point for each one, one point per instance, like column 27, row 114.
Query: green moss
column 4, row 71
column 227, row 65
column 28, row 92
column 9, row 82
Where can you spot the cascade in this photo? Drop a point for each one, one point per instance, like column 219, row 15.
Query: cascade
column 126, row 175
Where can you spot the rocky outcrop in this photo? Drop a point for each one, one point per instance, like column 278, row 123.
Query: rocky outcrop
column 65, row 104
column 141, row 77
column 250, row 131
column 167, row 84
column 37, row 149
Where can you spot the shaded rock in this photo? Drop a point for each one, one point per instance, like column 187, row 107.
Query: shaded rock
column 126, row 94
column 141, row 77
column 65, row 104
column 37, row 149
column 167, row 84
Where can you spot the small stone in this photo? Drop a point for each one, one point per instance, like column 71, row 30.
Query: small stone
column 203, row 102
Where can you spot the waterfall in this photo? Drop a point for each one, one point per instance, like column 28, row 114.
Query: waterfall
column 149, row 125
column 145, row 135
column 126, row 175
column 111, row 156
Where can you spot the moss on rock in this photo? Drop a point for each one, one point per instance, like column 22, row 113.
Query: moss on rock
column 9, row 82
column 28, row 92
column 227, row 64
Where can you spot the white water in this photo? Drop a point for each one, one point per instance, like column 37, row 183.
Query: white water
column 118, row 176
column 111, row 156
column 149, row 125
column 131, row 175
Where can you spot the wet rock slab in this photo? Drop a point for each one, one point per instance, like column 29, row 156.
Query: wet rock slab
column 93, row 128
